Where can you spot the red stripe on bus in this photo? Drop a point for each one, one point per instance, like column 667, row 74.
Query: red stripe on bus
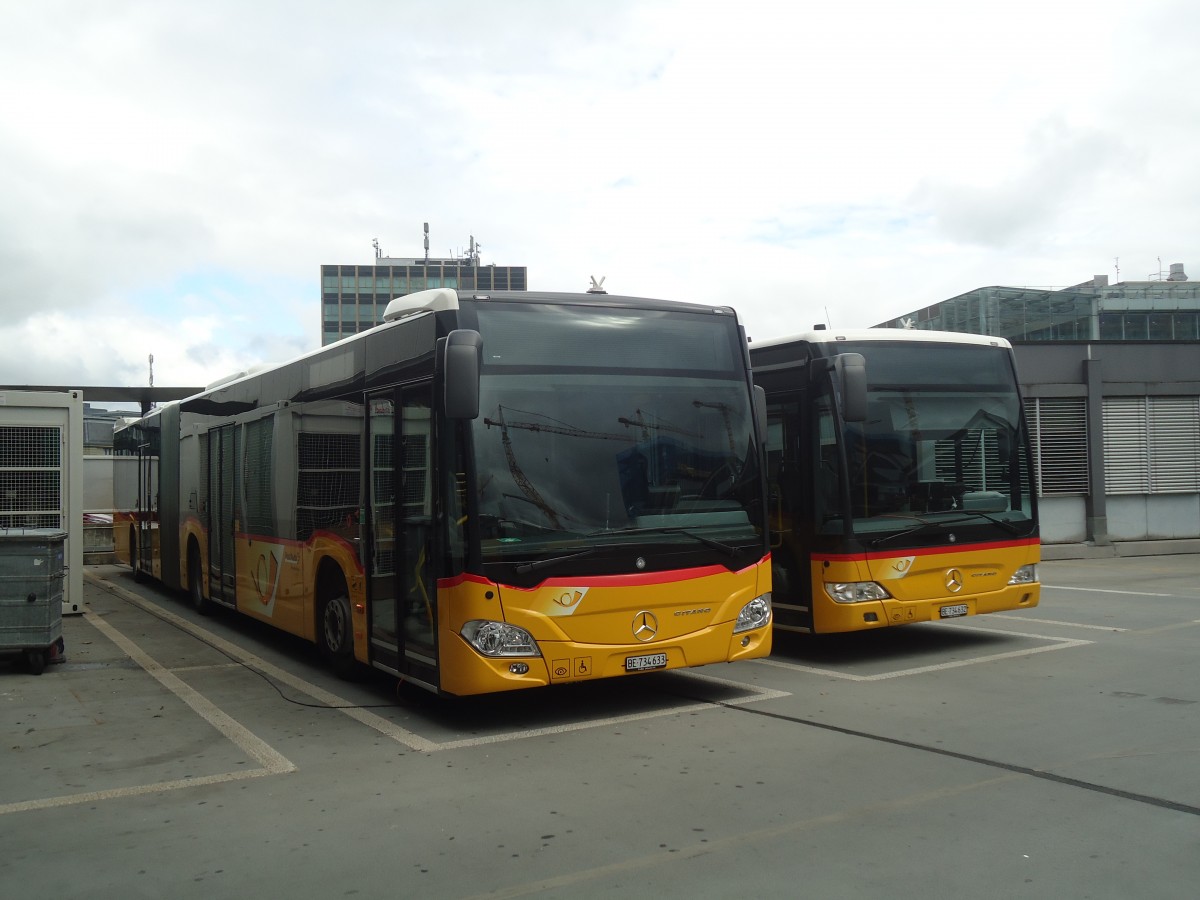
column 924, row 551
column 632, row 580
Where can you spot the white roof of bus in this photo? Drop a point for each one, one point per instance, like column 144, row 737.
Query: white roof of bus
column 906, row 335
column 434, row 299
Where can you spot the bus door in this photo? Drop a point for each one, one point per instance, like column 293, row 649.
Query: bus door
column 790, row 471
column 222, row 519
column 146, row 514
column 403, row 584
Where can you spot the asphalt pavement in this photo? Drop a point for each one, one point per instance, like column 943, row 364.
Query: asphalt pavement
column 1052, row 752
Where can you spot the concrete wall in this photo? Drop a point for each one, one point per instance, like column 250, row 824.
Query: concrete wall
column 1095, row 370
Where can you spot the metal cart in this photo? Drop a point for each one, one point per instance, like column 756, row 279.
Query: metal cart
column 32, row 571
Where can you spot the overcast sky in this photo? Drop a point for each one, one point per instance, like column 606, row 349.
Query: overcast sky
column 172, row 175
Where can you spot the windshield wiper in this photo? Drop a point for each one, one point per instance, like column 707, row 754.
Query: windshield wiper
column 534, row 565
column 925, row 525
column 707, row 541
column 1003, row 523
column 928, row 524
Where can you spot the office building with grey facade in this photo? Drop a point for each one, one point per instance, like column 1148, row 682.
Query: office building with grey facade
column 354, row 297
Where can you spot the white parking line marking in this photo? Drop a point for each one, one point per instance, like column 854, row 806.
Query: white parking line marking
column 328, row 698
column 1056, row 644
column 271, row 761
column 394, row 731
column 133, row 791
column 1063, row 587
column 239, row 734
column 1055, row 622
column 759, row 694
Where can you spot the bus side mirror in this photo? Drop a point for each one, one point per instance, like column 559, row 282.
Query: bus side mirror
column 1003, row 445
column 851, row 370
column 464, row 357
column 760, row 414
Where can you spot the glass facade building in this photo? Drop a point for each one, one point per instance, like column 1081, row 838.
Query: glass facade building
column 1164, row 310
column 354, row 297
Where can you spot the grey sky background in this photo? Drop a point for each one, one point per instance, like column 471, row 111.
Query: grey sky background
column 172, row 175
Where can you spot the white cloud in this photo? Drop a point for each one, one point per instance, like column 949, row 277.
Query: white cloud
column 797, row 160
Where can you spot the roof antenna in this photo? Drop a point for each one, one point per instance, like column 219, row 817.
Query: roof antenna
column 597, row 286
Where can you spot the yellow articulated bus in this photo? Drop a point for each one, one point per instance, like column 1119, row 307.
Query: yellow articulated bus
column 899, row 472
column 483, row 493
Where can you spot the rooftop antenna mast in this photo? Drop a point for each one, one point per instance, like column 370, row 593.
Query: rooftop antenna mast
column 1117, row 266
column 427, row 245
column 375, row 244
column 151, row 370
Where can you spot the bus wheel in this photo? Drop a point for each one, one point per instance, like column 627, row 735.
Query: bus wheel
column 335, row 635
column 200, row 603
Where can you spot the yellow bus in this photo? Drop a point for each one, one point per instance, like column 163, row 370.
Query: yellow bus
column 899, row 472
column 483, row 493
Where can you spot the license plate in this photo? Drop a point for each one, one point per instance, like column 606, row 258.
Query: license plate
column 642, row 663
column 949, row 612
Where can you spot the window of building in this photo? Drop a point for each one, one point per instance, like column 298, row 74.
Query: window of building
column 1110, row 327
column 1186, row 326
column 1159, row 326
column 1135, row 326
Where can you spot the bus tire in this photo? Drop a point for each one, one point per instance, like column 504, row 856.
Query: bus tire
column 200, row 603
column 335, row 633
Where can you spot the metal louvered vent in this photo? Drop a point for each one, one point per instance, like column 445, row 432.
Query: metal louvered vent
column 1126, row 461
column 1058, row 427
column 1174, row 444
column 1152, row 445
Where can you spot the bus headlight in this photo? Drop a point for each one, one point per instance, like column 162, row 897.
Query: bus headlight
column 499, row 639
column 1024, row 575
column 855, row 591
column 754, row 614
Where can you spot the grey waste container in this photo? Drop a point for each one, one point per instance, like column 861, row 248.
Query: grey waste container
column 32, row 571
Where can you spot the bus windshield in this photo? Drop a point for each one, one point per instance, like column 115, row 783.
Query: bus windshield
column 611, row 430
column 942, row 449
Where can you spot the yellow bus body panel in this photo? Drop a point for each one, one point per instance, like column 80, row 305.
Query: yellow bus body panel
column 585, row 628
column 922, row 583
column 276, row 583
